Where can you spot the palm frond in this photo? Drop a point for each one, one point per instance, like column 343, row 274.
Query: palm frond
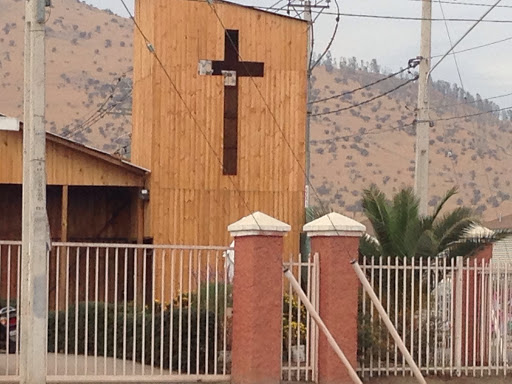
column 453, row 225
column 469, row 245
column 316, row 212
column 376, row 209
column 451, row 192
column 369, row 247
column 405, row 227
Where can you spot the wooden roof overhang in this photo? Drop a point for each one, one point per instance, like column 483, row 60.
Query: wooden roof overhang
column 69, row 163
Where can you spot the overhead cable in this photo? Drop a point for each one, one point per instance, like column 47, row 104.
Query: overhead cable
column 412, row 64
column 367, row 101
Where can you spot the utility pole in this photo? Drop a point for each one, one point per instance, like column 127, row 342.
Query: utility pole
column 309, row 20
column 35, row 231
column 308, row 5
column 422, row 120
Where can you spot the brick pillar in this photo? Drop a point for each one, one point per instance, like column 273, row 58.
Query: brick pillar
column 336, row 240
column 257, row 299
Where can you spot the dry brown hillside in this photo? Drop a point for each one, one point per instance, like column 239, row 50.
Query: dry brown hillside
column 89, row 99
column 88, row 52
column 374, row 143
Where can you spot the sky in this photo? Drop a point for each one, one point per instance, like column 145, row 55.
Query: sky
column 393, row 42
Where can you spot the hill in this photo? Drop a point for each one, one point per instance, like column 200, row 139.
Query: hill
column 89, row 63
column 89, row 68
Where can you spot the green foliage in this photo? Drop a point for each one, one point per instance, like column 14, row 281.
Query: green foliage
column 402, row 232
column 111, row 331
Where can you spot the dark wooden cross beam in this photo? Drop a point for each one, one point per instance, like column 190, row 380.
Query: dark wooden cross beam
column 231, row 68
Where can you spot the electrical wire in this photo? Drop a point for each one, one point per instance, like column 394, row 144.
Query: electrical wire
column 437, row 107
column 471, row 115
column 91, row 116
column 367, row 101
column 474, row 48
column 413, row 18
column 462, row 38
column 466, row 3
column 451, row 44
column 374, row 131
column 331, row 41
column 361, row 87
column 101, row 115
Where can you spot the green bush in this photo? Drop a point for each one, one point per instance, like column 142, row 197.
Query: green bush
column 224, row 292
column 120, row 333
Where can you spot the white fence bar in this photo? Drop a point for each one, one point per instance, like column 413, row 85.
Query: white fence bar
column 454, row 315
column 458, row 315
column 124, row 312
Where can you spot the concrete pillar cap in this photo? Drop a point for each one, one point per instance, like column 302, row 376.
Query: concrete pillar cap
column 258, row 224
column 334, row 224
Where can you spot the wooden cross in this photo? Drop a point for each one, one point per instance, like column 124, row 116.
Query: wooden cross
column 231, row 68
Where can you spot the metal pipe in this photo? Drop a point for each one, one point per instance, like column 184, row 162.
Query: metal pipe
column 367, row 287
column 297, row 288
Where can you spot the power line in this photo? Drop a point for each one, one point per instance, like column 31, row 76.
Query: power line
column 361, row 87
column 413, row 18
column 100, row 116
column 473, row 48
column 367, row 101
column 471, row 115
column 374, row 131
column 471, row 102
column 88, row 117
column 331, row 41
column 467, row 3
column 452, row 47
column 451, row 44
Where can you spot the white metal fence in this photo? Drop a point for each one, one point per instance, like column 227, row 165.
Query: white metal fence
column 140, row 313
column 300, row 333
column 453, row 315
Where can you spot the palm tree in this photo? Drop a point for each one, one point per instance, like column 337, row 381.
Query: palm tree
column 400, row 231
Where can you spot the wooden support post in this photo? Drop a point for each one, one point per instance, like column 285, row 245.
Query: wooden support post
column 64, row 214
column 140, row 253
column 61, row 302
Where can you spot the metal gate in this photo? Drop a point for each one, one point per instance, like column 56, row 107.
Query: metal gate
column 300, row 333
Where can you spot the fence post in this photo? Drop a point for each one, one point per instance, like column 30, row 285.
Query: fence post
column 458, row 315
column 336, row 239
column 257, row 299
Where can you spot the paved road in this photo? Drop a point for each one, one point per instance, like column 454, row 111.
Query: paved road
column 443, row 380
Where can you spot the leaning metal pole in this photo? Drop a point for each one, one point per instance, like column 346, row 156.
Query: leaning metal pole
column 391, row 328
column 314, row 314
column 34, row 297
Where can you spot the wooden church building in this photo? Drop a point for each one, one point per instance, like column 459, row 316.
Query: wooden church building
column 219, row 115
